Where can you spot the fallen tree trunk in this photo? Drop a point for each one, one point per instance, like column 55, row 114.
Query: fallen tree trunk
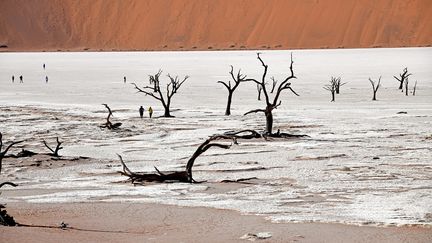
column 179, row 176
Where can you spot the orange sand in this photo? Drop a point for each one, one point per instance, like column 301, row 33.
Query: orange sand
column 212, row 24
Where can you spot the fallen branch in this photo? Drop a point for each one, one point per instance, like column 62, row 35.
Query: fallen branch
column 108, row 124
column 54, row 152
column 3, row 154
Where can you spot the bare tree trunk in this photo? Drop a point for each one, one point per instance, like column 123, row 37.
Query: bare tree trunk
column 414, row 89
column 167, row 112
column 269, row 121
column 406, row 87
column 228, row 107
column 333, row 96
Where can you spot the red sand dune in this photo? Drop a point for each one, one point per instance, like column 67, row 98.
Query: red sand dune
column 29, row 25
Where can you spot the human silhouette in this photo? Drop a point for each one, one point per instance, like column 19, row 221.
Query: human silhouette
column 150, row 110
column 21, row 79
column 46, row 79
column 43, row 66
column 141, row 112
column 13, row 78
column 124, row 79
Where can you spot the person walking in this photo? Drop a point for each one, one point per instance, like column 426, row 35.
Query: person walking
column 150, row 110
column 141, row 112
column 43, row 66
column 124, row 79
column 13, row 79
column 21, row 79
column 46, row 79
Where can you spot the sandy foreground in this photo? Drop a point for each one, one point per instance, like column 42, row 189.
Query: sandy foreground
column 129, row 222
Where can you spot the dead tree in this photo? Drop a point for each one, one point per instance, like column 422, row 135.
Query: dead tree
column 402, row 77
column 180, row 176
column 414, row 89
column 274, row 83
column 375, row 87
column 108, row 124
column 332, row 88
column 406, row 86
column 231, row 88
column 3, row 153
column 171, row 88
column 272, row 104
column 338, row 83
column 54, row 152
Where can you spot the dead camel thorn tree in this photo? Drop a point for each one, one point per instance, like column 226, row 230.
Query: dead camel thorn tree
column 54, row 152
column 171, row 88
column 3, row 153
column 179, row 176
column 108, row 124
column 332, row 88
column 375, row 87
column 231, row 88
column 402, row 77
column 338, row 83
column 272, row 104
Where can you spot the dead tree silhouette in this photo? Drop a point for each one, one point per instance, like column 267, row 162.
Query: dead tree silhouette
column 375, row 87
column 237, row 79
column 272, row 104
column 402, row 76
column 171, row 89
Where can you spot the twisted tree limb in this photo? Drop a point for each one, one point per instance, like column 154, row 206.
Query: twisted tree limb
column 54, row 152
column 108, row 124
column 2, row 154
column 179, row 176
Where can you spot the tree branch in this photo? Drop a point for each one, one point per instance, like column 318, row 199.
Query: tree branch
column 254, row 111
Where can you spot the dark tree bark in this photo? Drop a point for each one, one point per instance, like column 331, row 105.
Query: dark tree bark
column 3, row 153
column 375, row 87
column 5, row 218
column 108, row 124
column 171, row 88
column 180, row 176
column 231, row 88
column 402, row 77
column 272, row 104
column 414, row 89
column 54, row 152
column 406, row 87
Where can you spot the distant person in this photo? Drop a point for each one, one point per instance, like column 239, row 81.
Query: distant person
column 141, row 112
column 150, row 110
column 13, row 79
column 21, row 79
column 124, row 79
column 43, row 66
column 46, row 79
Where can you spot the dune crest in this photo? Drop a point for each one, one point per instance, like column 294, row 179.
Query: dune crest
column 212, row 24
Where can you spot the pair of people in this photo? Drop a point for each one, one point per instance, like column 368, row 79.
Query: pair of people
column 141, row 111
column 20, row 77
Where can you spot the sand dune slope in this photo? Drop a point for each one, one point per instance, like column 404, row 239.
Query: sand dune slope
column 213, row 24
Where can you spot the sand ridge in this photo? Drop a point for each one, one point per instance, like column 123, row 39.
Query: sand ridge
column 218, row 24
